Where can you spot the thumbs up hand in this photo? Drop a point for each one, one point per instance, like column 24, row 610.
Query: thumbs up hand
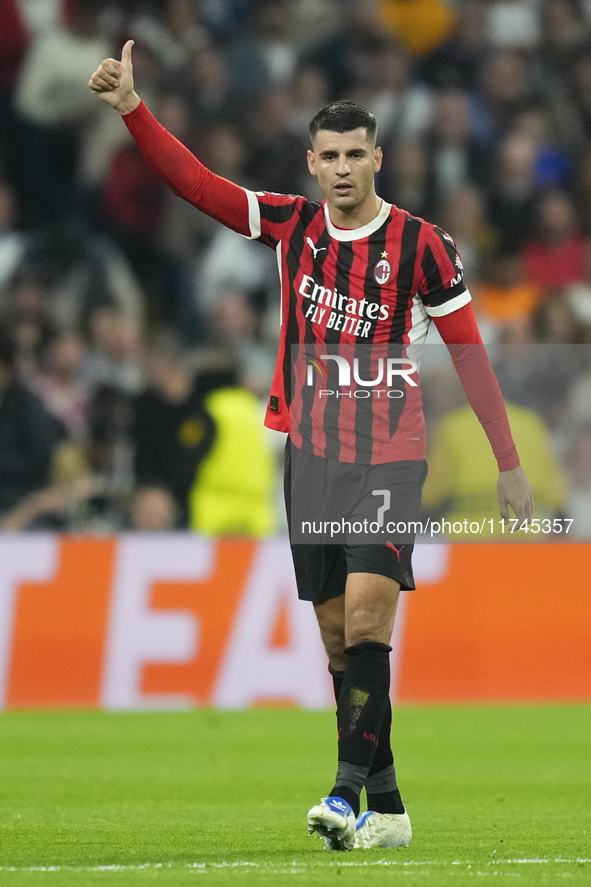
column 113, row 82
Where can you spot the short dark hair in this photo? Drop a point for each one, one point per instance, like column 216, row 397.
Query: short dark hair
column 343, row 116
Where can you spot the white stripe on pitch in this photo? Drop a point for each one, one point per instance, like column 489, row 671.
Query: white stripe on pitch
column 296, row 867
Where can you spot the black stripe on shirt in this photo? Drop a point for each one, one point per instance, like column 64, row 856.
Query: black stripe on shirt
column 363, row 349
column 344, row 263
column 277, row 215
column 295, row 247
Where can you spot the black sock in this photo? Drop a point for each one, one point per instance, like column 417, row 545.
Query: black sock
column 351, row 774
column 383, row 756
column 383, row 794
column 363, row 700
column 337, row 682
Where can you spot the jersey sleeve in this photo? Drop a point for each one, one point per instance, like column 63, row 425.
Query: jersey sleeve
column 259, row 216
column 272, row 216
column 441, row 286
column 460, row 333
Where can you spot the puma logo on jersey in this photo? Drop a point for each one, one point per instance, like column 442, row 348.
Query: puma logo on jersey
column 315, row 249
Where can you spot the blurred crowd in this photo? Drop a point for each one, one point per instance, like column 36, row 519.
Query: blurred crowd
column 138, row 337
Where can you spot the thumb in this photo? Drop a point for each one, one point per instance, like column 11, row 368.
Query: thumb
column 126, row 55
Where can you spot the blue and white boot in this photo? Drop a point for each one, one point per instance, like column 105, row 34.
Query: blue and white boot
column 334, row 821
column 386, row 830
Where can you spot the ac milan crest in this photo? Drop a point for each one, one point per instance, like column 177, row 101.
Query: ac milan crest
column 382, row 272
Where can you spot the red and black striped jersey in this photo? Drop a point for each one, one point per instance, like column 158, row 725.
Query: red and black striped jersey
column 373, row 286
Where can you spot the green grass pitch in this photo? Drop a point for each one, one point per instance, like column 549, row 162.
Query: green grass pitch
column 205, row 797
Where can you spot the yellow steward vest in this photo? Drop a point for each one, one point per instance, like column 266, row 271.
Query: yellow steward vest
column 234, row 489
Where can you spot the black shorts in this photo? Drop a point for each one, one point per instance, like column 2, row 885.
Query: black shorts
column 321, row 570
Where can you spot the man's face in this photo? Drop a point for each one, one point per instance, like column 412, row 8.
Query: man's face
column 345, row 165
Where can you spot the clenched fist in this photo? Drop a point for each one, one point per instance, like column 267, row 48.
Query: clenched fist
column 113, row 82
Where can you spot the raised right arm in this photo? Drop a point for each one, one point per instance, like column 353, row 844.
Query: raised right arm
column 224, row 201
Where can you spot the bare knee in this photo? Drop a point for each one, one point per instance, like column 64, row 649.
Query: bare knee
column 365, row 625
column 370, row 608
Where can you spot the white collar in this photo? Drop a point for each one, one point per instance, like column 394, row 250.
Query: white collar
column 348, row 234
